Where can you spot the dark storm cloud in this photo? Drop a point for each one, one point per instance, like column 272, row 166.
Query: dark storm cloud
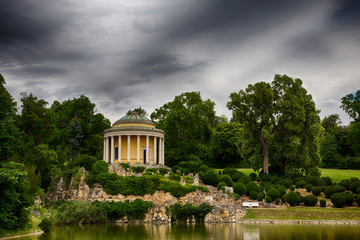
column 347, row 12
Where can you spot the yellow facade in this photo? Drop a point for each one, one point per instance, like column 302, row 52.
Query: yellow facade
column 133, row 149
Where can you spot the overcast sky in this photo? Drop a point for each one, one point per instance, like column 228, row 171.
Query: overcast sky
column 124, row 54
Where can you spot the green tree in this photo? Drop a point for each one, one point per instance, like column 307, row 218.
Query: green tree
column 45, row 159
column 75, row 137
column 329, row 151
column 224, row 144
column 281, row 118
column 14, row 197
column 9, row 133
column 351, row 105
column 138, row 110
column 187, row 121
column 254, row 108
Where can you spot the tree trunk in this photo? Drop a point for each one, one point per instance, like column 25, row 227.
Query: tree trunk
column 266, row 153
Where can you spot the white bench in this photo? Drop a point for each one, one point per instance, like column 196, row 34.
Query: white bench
column 250, row 204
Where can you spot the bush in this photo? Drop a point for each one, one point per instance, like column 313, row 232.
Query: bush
column 236, row 176
column 338, row 188
column 99, row 167
column 125, row 166
column 277, row 201
column 229, row 171
column 349, row 199
column 174, row 177
column 357, row 200
column 308, row 187
column 204, row 168
column 338, row 199
column 310, row 200
column 85, row 161
column 221, row 185
column 258, row 179
column 328, row 191
column 265, row 177
column 251, row 186
column 189, row 167
column 354, row 185
column 327, row 180
column 282, row 191
column 292, row 198
column 260, row 196
column 245, row 179
column 227, row 179
column 268, row 199
column 211, row 178
column 300, row 184
column 163, row 171
column 322, row 203
column 273, row 193
column 274, row 179
column 253, row 195
column 239, row 188
column 285, row 182
column 316, row 190
column 138, row 169
column 252, row 176
column 182, row 213
column 292, row 188
column 46, row 224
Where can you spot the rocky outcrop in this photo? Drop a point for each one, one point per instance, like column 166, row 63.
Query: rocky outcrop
column 226, row 209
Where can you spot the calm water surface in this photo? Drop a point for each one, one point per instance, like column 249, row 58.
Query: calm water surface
column 202, row 231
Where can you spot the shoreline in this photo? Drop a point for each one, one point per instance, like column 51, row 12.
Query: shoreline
column 23, row 235
column 293, row 221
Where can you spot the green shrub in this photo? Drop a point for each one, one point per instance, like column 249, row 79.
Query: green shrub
column 227, row 179
column 188, row 180
column 229, row 171
column 277, row 201
column 285, row 182
column 221, row 186
column 316, row 190
column 245, row 179
column 338, row 188
column 163, row 171
column 239, row 188
column 268, row 199
column 265, row 177
column 292, row 188
column 300, row 184
column 292, row 198
column 182, row 213
column 189, row 167
column 260, row 196
column 328, row 191
column 358, row 190
column 308, row 187
column 99, row 167
column 258, row 179
column 125, row 166
column 46, row 224
column 282, row 191
column 136, row 209
column 338, row 199
column 322, row 203
column 345, row 183
column 210, row 178
column 354, row 185
column 253, row 195
column 327, row 180
column 236, row 176
column 310, row 200
column 236, row 196
column 204, row 168
column 273, row 193
column 152, row 171
column 253, row 176
column 138, row 169
column 174, row 177
column 251, row 186
column 357, row 200
column 349, row 199
column 274, row 179
column 85, row 161
column 313, row 180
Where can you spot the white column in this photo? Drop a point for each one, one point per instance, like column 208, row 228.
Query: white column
column 119, row 150
column 107, row 150
column 147, row 150
column 128, row 149
column 155, row 161
column 112, row 155
column 104, row 146
column 138, row 150
column 162, row 151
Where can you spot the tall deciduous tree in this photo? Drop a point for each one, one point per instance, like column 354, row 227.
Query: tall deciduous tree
column 138, row 110
column 283, row 118
column 254, row 108
column 187, row 121
column 9, row 133
column 351, row 105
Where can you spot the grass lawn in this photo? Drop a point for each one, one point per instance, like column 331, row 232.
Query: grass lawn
column 339, row 174
column 304, row 213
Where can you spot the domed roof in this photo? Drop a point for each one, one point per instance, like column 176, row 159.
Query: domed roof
column 133, row 118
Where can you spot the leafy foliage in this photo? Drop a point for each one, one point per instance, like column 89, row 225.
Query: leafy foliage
column 183, row 213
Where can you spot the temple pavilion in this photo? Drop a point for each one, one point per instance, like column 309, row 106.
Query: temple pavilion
column 134, row 139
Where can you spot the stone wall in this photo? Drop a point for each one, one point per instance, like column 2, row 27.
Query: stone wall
column 226, row 209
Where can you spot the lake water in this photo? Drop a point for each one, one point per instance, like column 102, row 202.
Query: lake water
column 203, row 231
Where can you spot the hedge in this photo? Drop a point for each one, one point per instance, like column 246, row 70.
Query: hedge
column 338, row 199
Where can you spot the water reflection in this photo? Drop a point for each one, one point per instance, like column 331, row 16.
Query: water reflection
column 202, row 231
